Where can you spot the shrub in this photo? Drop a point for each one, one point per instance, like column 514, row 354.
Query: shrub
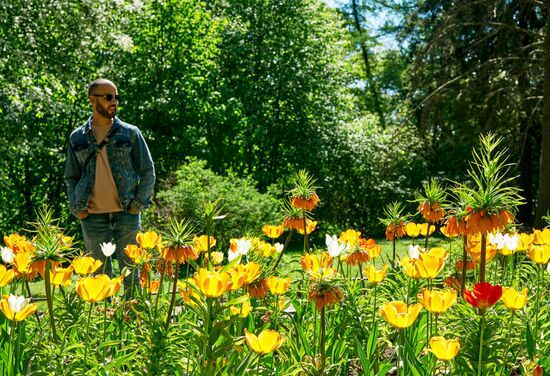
column 245, row 208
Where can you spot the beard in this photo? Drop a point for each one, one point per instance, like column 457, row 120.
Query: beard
column 108, row 112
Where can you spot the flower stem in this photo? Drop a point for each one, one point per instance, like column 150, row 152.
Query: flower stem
column 483, row 257
column 505, row 353
column 173, row 299
column 464, row 264
column 537, row 302
column 87, row 333
column 480, row 356
column 322, row 340
column 49, row 299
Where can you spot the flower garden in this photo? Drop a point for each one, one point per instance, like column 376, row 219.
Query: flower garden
column 454, row 289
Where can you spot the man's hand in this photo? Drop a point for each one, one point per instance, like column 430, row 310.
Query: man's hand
column 133, row 211
column 83, row 214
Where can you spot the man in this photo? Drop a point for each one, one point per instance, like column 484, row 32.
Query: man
column 110, row 177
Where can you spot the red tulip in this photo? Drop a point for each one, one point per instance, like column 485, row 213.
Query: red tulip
column 483, row 295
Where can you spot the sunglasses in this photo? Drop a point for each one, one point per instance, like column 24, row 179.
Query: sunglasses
column 108, row 97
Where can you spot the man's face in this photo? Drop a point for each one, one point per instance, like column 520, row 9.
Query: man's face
column 100, row 101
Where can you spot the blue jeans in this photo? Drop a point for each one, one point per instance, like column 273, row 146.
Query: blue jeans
column 120, row 228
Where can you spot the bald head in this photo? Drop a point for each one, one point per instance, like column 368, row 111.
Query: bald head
column 97, row 83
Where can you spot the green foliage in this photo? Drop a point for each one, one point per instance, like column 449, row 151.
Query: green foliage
column 245, row 208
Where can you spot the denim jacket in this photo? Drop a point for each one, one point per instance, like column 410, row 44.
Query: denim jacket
column 129, row 158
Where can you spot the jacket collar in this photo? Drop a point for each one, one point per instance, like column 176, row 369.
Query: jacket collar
column 88, row 125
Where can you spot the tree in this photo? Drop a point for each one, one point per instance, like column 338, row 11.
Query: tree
column 478, row 67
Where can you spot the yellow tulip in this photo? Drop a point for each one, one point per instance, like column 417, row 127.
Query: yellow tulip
column 188, row 291
column 148, row 240
column 409, row 267
column 212, row 284
column 85, row 265
column 266, row 342
column 399, row 314
column 310, row 227
column 6, row 275
column 412, row 229
column 424, row 229
column 350, row 236
column 273, row 232
column 237, row 277
column 444, row 349
column 243, row 310
column 541, row 237
column 17, row 308
column 200, row 243
column 94, row 289
column 251, row 272
column 375, row 251
column 138, row 255
column 22, row 262
column 375, row 276
column 539, row 254
column 525, row 241
column 115, row 285
column 429, row 266
column 60, row 276
column 437, row 301
column 316, row 262
column 514, row 299
column 278, row 286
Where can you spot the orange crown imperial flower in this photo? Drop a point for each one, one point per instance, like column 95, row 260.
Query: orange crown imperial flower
column 483, row 295
column 305, row 203
column 431, row 212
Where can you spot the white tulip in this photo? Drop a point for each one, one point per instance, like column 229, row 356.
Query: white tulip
column 7, row 255
column 414, row 251
column 334, row 246
column 108, row 249
column 17, row 303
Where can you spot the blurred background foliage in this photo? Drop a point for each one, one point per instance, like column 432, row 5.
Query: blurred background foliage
column 233, row 96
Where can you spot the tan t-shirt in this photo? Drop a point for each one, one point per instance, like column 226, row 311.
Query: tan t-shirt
column 104, row 195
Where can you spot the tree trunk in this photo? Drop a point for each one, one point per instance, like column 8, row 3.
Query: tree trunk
column 370, row 82
column 543, row 203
